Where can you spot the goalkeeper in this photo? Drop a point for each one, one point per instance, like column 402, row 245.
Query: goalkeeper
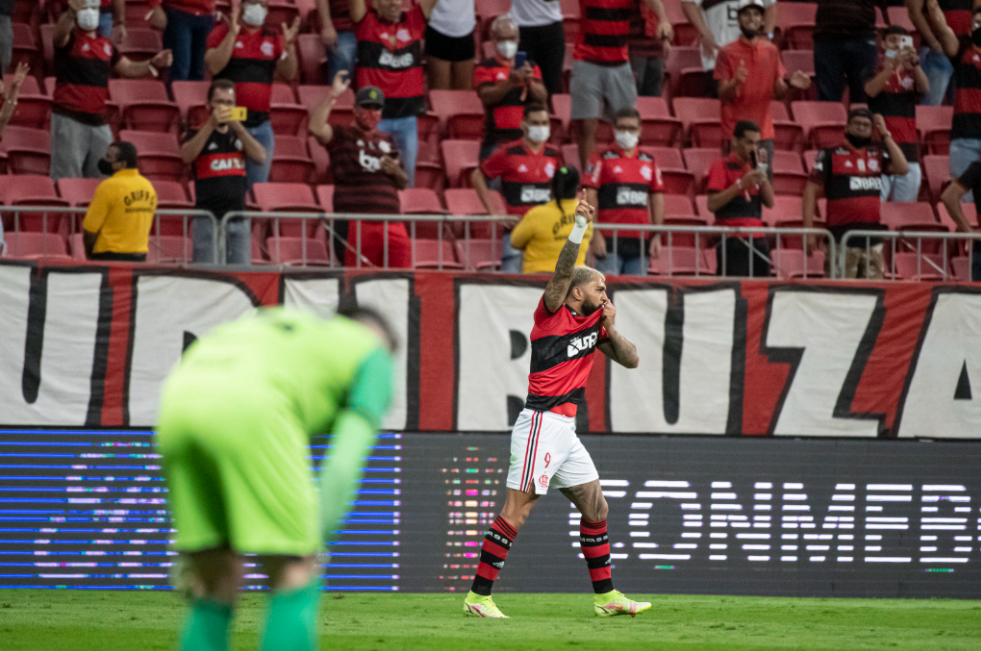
column 235, row 423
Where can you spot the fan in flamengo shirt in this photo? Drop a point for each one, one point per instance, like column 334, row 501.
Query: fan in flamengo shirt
column 573, row 319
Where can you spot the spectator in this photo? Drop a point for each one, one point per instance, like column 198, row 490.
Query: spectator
column 390, row 58
column 367, row 179
column 646, row 51
column 6, row 34
column 82, row 63
column 10, row 98
column 117, row 223
column 337, row 32
column 601, row 73
column 717, row 26
column 844, row 46
column 738, row 188
column 851, row 177
column 750, row 76
column 544, row 229
column 936, row 65
column 542, row 38
column 108, row 10
column 504, row 89
column 953, row 195
column 186, row 25
column 251, row 54
column 217, row 153
column 450, row 49
column 526, row 168
column 893, row 93
column 624, row 184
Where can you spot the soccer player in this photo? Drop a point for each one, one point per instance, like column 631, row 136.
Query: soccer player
column 573, row 319
column 235, row 421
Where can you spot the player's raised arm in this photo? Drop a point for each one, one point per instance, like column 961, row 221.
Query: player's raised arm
column 558, row 286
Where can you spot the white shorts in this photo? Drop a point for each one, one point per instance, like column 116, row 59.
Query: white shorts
column 546, row 451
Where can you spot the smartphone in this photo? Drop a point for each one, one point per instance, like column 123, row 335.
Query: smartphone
column 520, row 59
column 905, row 42
column 754, row 159
column 239, row 114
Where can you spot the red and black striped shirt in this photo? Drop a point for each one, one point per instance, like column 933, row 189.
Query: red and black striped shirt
column 624, row 185
column 896, row 103
column 746, row 208
column 504, row 119
column 958, row 14
column 967, row 97
column 252, row 67
column 82, row 71
column 340, row 15
column 219, row 173
column 526, row 177
column 359, row 184
column 562, row 347
column 390, row 57
column 852, row 182
column 603, row 31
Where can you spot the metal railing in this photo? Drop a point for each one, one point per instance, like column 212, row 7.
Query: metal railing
column 66, row 223
column 930, row 265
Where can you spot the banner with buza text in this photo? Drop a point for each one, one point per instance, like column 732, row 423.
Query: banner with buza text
column 89, row 345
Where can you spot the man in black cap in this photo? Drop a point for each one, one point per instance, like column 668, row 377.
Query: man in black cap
column 367, row 177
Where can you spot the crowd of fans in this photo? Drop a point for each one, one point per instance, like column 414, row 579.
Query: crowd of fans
column 392, row 52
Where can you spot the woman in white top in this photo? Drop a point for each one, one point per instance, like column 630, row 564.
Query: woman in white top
column 542, row 38
column 450, row 49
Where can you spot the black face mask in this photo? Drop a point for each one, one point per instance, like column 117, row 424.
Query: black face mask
column 105, row 167
column 858, row 142
column 976, row 37
column 750, row 34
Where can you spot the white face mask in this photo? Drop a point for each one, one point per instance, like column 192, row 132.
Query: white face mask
column 87, row 19
column 626, row 140
column 538, row 134
column 507, row 49
column 254, row 15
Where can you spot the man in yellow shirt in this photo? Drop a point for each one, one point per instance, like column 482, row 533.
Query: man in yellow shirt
column 544, row 229
column 117, row 224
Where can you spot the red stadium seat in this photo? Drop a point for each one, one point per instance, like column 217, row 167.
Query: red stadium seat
column 915, row 216
column 28, row 151
column 794, row 60
column 169, row 249
column 30, row 190
column 33, row 105
column 464, row 202
column 700, row 117
column 970, row 212
column 810, row 157
column 684, row 32
column 33, row 246
column 434, row 254
column 666, row 157
column 312, row 58
column 698, row 162
column 675, row 178
column 190, row 97
column 784, row 209
column 325, row 198
column 659, row 128
column 77, row 244
column 701, row 208
column 158, row 155
column 678, row 205
column 570, row 155
column 792, row 263
column 298, row 251
column 912, row 266
column 479, row 254
column 682, row 61
column 282, row 11
column 461, row 113
column 25, row 48
column 680, row 261
column 423, row 201
column 788, row 135
column 684, row 240
column 936, row 172
column 933, row 123
column 292, row 162
column 788, row 173
column 796, row 23
column 460, row 158
column 144, row 104
column 285, row 115
column 823, row 122
column 341, row 112
column 288, row 197
column 141, row 43
column 321, row 161
column 78, row 192
column 960, row 268
column 562, row 110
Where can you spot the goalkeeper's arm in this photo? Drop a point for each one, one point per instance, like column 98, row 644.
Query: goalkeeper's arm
column 354, row 434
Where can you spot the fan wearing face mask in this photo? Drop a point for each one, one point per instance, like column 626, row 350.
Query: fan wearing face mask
column 83, row 63
column 246, row 52
column 624, row 183
column 526, row 168
column 505, row 88
column 850, row 177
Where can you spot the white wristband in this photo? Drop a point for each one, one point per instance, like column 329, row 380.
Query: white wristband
column 577, row 233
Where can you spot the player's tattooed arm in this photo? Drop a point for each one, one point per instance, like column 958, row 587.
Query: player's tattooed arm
column 617, row 347
column 558, row 286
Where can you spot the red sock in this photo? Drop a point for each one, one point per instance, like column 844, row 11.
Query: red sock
column 497, row 543
column 595, row 545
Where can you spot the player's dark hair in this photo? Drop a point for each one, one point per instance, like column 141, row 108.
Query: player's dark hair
column 351, row 310
column 895, row 29
column 626, row 112
column 743, row 126
column 565, row 184
column 125, row 153
column 220, row 84
column 534, row 107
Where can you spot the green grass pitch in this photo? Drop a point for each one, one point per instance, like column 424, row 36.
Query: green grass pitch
column 38, row 620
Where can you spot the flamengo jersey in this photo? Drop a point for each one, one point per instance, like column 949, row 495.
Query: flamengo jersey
column 219, row 174
column 526, row 177
column 958, row 15
column 562, row 347
column 359, row 184
column 852, row 181
column 967, row 97
column 390, row 57
column 897, row 104
column 624, row 185
column 503, row 120
column 746, row 209
column 251, row 67
column 603, row 31
column 82, row 70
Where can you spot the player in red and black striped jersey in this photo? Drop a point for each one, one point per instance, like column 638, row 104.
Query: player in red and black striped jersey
column 250, row 54
column 83, row 62
column 504, row 89
column 850, row 175
column 217, row 151
column 573, row 319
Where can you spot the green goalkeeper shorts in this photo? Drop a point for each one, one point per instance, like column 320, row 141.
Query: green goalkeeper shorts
column 238, row 473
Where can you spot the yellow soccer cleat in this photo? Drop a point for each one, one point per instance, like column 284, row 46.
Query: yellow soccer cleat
column 615, row 603
column 477, row 605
